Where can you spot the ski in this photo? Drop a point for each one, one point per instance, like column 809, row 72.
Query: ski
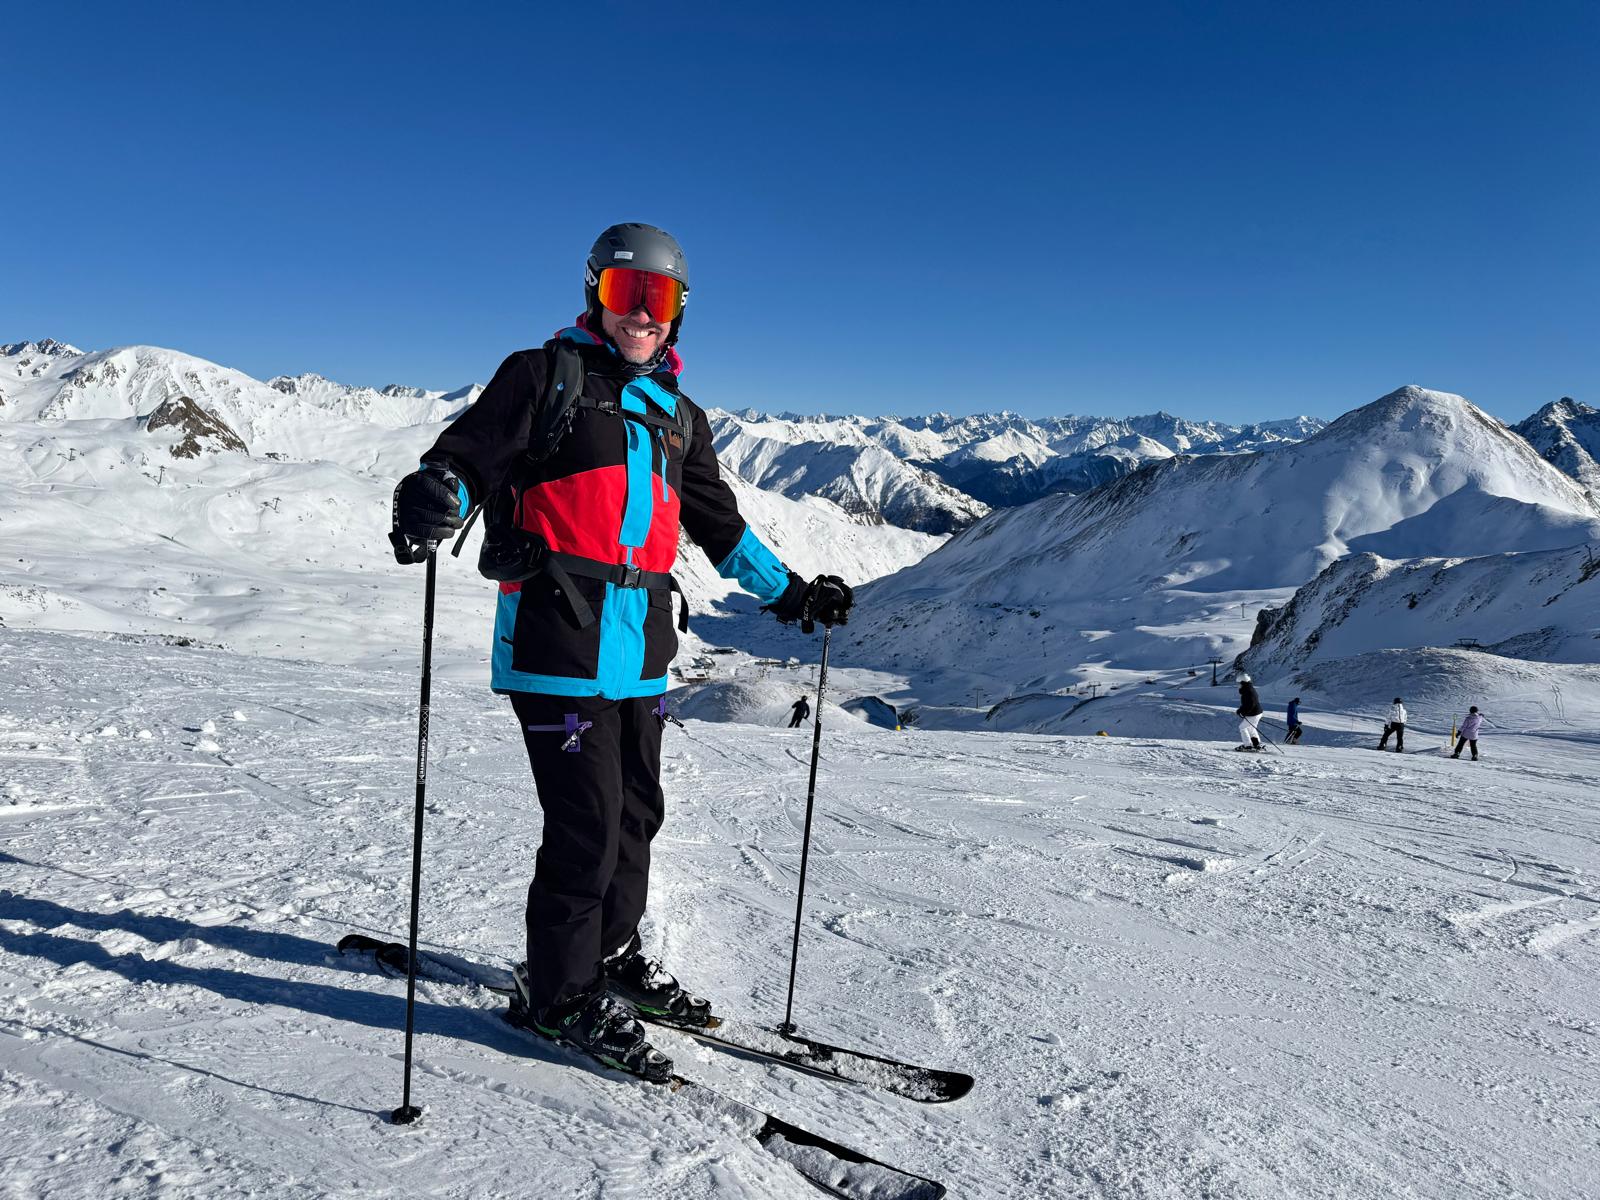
column 929, row 1085
column 830, row 1166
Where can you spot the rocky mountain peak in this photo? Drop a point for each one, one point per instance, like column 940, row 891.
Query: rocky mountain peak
column 202, row 431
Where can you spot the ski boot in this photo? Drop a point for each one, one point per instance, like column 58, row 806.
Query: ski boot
column 594, row 1024
column 642, row 984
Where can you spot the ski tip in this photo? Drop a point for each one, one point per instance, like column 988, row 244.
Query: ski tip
column 954, row 1086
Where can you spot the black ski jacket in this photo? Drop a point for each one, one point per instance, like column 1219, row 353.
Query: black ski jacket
column 609, row 501
column 1249, row 702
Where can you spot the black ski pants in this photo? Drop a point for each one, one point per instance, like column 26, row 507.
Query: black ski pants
column 798, row 719
column 1398, row 731
column 602, row 803
column 1463, row 742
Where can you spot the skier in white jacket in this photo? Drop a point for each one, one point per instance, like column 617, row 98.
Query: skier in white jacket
column 1396, row 726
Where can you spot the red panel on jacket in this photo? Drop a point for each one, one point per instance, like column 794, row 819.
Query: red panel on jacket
column 580, row 514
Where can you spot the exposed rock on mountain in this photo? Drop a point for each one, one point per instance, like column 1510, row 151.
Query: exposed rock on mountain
column 202, row 432
column 1567, row 435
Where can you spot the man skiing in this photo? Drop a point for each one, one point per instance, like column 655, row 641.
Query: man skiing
column 1293, row 718
column 802, row 710
column 587, row 458
column 1469, row 733
column 1249, row 713
column 1397, row 726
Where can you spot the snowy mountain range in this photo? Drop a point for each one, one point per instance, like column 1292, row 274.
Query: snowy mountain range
column 939, row 473
column 932, row 474
column 204, row 503
column 1168, row 565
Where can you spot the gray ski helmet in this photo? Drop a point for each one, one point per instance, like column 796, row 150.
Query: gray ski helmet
column 1243, row 678
column 643, row 247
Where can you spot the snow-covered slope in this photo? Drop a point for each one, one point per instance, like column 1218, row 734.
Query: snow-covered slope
column 1542, row 605
column 1175, row 971
column 1567, row 434
column 108, row 531
column 279, row 548
column 1168, row 565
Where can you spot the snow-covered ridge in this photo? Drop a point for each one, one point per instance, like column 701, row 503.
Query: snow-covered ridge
column 47, row 348
column 1541, row 605
column 394, row 406
column 1567, row 434
column 303, row 418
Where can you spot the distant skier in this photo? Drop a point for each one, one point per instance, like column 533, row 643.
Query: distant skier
column 1249, row 713
column 1469, row 733
column 1295, row 727
column 1396, row 726
column 802, row 710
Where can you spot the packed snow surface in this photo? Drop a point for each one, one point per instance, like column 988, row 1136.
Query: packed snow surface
column 1175, row 971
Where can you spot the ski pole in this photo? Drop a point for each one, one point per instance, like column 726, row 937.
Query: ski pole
column 805, row 843
column 407, row 1112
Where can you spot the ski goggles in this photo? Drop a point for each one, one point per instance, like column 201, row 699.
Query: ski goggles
column 623, row 289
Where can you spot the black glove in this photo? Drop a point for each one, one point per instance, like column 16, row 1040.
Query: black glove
column 827, row 598
column 429, row 505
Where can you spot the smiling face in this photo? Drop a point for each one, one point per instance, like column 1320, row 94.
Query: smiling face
column 638, row 336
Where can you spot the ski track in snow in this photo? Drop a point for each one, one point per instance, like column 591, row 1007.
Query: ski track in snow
column 1175, row 972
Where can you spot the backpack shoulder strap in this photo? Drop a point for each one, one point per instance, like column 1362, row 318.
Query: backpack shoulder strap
column 679, row 421
column 559, row 404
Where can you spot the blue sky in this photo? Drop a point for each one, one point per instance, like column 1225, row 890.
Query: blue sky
column 1238, row 211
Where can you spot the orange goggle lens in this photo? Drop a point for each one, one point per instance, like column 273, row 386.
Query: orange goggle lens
column 623, row 289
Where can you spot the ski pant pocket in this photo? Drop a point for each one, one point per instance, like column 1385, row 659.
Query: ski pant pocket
column 548, row 637
column 660, row 635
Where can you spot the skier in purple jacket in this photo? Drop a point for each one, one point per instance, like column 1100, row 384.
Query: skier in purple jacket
column 1468, row 733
